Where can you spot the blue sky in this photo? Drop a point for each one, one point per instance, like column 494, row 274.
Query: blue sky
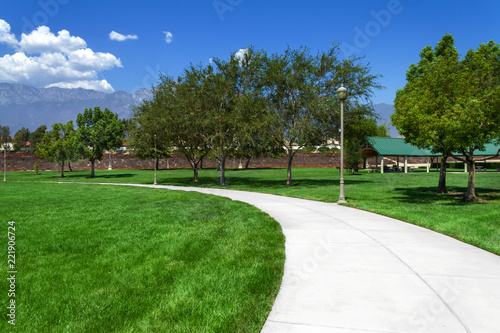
column 67, row 43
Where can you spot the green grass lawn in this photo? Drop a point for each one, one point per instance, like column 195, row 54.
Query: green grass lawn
column 95, row 258
column 408, row 197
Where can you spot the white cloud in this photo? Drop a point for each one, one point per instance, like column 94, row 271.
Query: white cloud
column 101, row 85
column 113, row 35
column 5, row 35
column 43, row 59
column 86, row 59
column 168, row 37
column 42, row 40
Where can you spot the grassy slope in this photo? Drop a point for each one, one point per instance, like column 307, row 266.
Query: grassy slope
column 119, row 259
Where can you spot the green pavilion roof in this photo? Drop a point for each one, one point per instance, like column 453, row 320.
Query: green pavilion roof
column 374, row 146
column 392, row 147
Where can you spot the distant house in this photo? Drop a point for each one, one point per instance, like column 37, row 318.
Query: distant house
column 10, row 145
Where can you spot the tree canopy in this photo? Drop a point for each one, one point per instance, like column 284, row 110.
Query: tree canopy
column 4, row 136
column 36, row 137
column 21, row 139
column 232, row 103
column 98, row 131
column 185, row 119
column 302, row 95
column 148, row 138
column 58, row 144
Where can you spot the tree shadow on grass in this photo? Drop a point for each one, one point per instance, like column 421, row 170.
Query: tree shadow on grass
column 123, row 175
column 98, row 176
column 254, row 182
column 454, row 197
column 251, row 169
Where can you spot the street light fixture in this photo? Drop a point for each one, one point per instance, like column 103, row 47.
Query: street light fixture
column 342, row 95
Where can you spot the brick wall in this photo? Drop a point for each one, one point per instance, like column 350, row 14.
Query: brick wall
column 26, row 161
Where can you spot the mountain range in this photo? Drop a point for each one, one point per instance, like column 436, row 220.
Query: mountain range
column 25, row 106
column 384, row 112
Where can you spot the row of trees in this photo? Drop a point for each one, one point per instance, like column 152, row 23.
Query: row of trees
column 97, row 132
column 22, row 137
column 452, row 105
column 255, row 104
column 245, row 106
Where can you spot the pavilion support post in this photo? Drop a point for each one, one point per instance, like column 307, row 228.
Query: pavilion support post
column 397, row 162
column 428, row 164
column 381, row 164
column 406, row 164
column 465, row 167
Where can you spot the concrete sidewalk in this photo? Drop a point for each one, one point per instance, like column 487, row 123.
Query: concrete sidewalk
column 348, row 270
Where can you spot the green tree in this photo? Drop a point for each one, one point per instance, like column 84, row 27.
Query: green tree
column 301, row 89
column 4, row 136
column 418, row 119
column 148, row 139
column 21, row 139
column 356, row 129
column 233, row 103
column 185, row 120
column 58, row 144
column 474, row 119
column 36, row 137
column 97, row 132
column 452, row 105
column 128, row 127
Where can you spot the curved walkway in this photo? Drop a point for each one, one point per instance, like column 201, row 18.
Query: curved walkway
column 348, row 270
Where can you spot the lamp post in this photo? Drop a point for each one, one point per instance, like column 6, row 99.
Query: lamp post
column 342, row 95
column 5, row 163
column 155, row 161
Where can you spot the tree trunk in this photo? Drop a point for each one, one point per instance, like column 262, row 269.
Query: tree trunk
column 156, row 169
column 470, row 196
column 62, row 169
column 248, row 163
column 289, row 169
column 442, row 176
column 157, row 164
column 222, row 165
column 92, row 174
column 69, row 167
column 195, row 171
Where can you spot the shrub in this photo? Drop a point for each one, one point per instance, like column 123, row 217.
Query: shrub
column 36, row 167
